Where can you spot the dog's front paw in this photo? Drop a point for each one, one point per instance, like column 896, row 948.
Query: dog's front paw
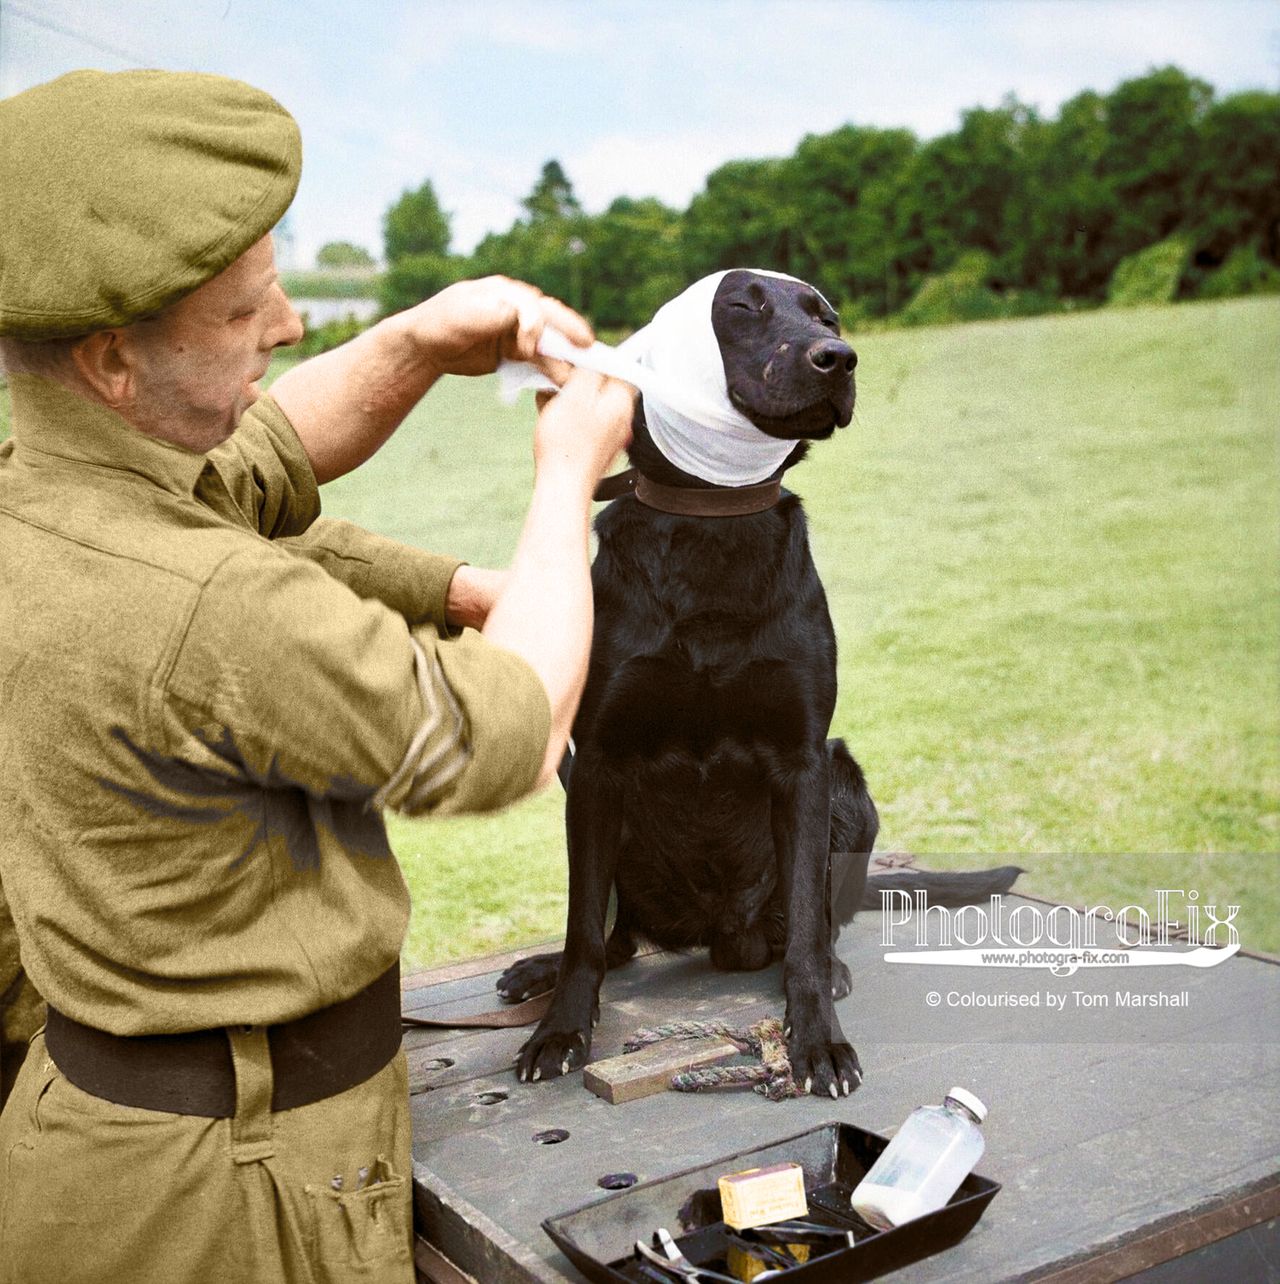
column 825, row 1069
column 551, row 1053
column 822, row 1061
column 528, row 977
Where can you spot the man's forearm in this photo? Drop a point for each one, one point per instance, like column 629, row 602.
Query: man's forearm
column 544, row 613
column 471, row 595
column 344, row 404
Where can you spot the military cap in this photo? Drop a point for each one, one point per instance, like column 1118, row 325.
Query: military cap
column 121, row 192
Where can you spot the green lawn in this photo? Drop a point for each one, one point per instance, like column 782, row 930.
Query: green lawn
column 1052, row 551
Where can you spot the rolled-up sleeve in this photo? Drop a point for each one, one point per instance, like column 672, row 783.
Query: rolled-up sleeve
column 411, row 581
column 287, row 676
column 509, row 719
column 268, row 477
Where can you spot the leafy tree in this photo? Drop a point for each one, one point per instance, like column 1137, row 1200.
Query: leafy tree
column 552, row 198
column 746, row 216
column 1151, row 275
column 1065, row 208
column 1235, row 195
column 1244, row 272
column 960, row 192
column 631, row 261
column 414, row 277
column 414, row 225
column 343, row 254
column 1152, row 151
column 848, row 185
column 546, row 246
column 959, row 294
column 1003, row 216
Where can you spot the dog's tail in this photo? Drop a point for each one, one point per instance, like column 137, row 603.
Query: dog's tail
column 964, row 888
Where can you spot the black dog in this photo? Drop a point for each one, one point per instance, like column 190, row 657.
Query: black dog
column 703, row 786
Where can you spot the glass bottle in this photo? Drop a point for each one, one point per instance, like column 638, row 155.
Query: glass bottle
column 924, row 1164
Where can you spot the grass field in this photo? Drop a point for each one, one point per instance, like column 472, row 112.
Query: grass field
column 1052, row 552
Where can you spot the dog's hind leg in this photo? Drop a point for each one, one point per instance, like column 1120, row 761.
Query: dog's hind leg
column 593, row 823
column 620, row 948
column 855, row 823
column 846, row 868
column 854, row 826
column 535, row 975
column 526, row 978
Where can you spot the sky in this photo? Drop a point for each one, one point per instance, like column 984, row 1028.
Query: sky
column 635, row 99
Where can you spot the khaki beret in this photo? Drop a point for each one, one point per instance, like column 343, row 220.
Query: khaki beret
column 121, row 192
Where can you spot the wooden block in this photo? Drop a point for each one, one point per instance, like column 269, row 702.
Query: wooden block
column 641, row 1074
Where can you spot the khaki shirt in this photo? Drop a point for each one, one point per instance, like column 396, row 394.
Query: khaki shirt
column 206, row 695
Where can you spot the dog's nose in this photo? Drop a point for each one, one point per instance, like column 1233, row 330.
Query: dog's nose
column 832, row 357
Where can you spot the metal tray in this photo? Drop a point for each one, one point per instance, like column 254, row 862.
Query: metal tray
column 599, row 1238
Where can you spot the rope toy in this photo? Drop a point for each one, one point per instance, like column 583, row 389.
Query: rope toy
column 772, row 1078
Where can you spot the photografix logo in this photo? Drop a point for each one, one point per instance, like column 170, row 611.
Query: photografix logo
column 1060, row 939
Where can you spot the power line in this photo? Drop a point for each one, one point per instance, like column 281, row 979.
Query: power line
column 39, row 20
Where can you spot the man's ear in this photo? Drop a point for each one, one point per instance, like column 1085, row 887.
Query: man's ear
column 105, row 362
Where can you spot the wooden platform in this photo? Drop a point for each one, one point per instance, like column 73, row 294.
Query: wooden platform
column 1123, row 1137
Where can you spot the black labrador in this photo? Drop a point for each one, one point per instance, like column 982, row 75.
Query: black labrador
column 703, row 786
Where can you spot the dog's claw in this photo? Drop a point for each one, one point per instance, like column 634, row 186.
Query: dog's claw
column 808, row 1083
column 537, row 1074
column 844, row 1083
column 834, row 1093
column 564, row 1066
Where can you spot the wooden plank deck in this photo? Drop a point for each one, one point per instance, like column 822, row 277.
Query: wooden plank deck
column 1110, row 1128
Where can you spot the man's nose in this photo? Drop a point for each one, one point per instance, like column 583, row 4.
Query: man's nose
column 288, row 328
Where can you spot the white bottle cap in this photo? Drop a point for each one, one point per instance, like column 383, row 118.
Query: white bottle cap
column 969, row 1102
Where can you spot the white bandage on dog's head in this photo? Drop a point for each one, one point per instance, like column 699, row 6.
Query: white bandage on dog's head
column 676, row 364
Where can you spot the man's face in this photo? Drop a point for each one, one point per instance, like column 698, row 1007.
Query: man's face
column 198, row 363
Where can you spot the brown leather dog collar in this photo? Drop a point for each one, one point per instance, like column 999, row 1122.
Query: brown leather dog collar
column 727, row 501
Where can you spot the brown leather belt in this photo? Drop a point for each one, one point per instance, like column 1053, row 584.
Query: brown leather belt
column 314, row 1057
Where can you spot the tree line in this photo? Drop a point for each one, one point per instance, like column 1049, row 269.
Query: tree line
column 1158, row 189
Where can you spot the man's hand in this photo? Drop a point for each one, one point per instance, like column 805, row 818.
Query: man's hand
column 468, row 328
column 584, row 426
column 344, row 404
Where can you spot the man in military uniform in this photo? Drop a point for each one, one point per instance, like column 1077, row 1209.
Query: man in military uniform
column 208, row 693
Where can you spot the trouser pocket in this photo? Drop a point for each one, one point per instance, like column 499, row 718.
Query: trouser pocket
column 361, row 1230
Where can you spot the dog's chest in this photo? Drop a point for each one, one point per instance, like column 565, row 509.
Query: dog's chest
column 707, row 645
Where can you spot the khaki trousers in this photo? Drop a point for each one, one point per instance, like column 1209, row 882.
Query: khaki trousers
column 96, row 1193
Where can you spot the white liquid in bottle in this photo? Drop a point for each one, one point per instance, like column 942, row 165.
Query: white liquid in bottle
column 924, row 1164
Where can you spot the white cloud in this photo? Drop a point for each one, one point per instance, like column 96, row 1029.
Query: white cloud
column 435, row 33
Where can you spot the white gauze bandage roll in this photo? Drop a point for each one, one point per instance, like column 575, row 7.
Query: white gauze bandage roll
column 675, row 362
